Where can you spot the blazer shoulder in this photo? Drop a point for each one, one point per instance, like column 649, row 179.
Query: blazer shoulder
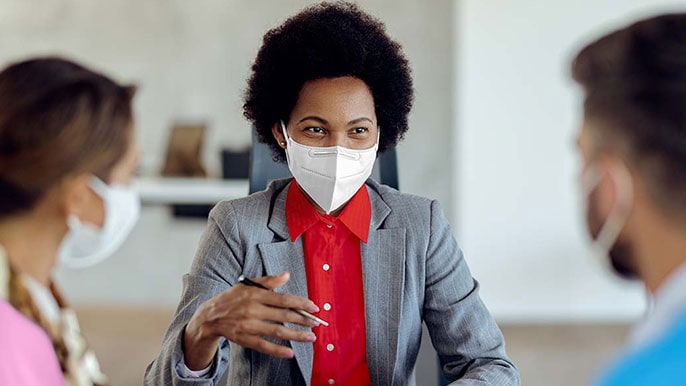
column 255, row 204
column 250, row 214
column 405, row 209
column 393, row 196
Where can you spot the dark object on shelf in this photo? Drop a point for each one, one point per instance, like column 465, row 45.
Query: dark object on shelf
column 235, row 164
column 201, row 211
column 263, row 168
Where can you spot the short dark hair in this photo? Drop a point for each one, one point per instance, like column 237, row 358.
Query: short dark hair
column 58, row 119
column 635, row 90
column 328, row 40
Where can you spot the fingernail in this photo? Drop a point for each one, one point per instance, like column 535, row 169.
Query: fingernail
column 312, row 307
column 311, row 337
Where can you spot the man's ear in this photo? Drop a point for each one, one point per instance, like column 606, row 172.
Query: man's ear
column 624, row 181
column 619, row 182
column 277, row 132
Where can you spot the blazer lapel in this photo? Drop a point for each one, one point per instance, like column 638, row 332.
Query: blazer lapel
column 383, row 271
column 280, row 256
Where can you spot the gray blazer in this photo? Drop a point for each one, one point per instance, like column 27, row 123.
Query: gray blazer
column 413, row 272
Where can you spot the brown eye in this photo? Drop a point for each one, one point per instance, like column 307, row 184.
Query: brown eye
column 314, row 130
column 360, row 130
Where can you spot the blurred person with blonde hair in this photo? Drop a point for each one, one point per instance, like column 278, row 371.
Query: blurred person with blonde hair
column 67, row 154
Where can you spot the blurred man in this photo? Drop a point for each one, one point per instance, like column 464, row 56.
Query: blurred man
column 633, row 143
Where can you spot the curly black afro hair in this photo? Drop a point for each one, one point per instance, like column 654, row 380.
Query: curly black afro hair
column 328, row 40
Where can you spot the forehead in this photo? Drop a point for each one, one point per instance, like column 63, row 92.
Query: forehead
column 332, row 95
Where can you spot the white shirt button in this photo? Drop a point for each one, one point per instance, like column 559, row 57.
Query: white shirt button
column 329, row 347
column 327, row 306
column 331, row 381
column 326, row 267
column 329, row 226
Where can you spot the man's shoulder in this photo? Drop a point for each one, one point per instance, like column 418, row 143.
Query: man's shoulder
column 672, row 345
column 661, row 363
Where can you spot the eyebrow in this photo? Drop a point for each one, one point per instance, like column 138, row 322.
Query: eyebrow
column 324, row 121
column 358, row 120
column 314, row 118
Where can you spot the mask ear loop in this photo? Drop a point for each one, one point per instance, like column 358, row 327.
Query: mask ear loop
column 620, row 211
column 618, row 217
column 609, row 232
column 284, row 131
column 378, row 136
column 590, row 180
column 287, row 143
column 97, row 185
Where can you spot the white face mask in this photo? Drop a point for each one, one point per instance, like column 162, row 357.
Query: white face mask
column 329, row 175
column 610, row 230
column 87, row 244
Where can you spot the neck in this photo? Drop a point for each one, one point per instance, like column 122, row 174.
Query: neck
column 660, row 251
column 32, row 243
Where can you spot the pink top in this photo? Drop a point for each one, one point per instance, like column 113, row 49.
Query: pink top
column 27, row 357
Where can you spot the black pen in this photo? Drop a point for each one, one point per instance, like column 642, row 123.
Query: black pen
column 245, row 281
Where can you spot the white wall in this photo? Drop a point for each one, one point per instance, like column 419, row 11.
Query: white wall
column 511, row 124
column 519, row 218
column 191, row 60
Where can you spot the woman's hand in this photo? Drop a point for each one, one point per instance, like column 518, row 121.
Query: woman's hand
column 245, row 315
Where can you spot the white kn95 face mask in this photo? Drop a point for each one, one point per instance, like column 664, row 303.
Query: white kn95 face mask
column 329, row 175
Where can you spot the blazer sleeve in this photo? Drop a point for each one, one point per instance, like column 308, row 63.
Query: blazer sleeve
column 470, row 346
column 217, row 261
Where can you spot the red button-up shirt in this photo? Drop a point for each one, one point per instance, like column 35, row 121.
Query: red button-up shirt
column 334, row 283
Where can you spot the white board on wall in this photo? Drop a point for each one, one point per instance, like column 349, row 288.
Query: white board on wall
column 518, row 212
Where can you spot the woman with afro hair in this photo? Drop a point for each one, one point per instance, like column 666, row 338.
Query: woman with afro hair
column 329, row 90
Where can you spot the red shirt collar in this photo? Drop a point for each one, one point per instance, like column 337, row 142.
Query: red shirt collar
column 301, row 215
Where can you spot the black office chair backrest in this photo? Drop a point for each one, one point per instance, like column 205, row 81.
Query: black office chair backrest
column 264, row 169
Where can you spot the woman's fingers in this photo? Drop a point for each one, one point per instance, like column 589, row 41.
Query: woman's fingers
column 260, row 344
column 278, row 331
column 251, row 334
column 286, row 301
column 248, row 316
column 262, row 312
